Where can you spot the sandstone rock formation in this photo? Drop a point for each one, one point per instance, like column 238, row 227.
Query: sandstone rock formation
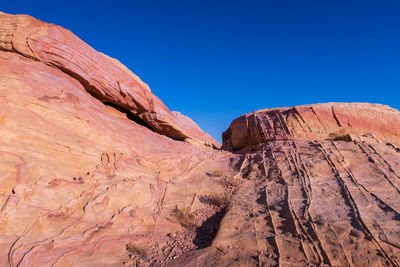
column 319, row 188
column 103, row 77
column 80, row 177
column 96, row 171
column 312, row 122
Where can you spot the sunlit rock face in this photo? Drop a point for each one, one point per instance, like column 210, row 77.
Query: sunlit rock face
column 309, row 122
column 96, row 171
column 321, row 185
column 103, row 77
column 90, row 159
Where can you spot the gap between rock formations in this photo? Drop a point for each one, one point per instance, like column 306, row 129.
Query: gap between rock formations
column 311, row 185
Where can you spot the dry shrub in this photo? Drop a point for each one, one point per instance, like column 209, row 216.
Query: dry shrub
column 136, row 250
column 245, row 171
column 220, row 200
column 184, row 217
column 215, row 173
column 341, row 135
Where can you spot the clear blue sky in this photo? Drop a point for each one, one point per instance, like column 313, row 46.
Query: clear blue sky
column 215, row 60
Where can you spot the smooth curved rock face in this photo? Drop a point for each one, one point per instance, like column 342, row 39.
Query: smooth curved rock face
column 83, row 183
column 105, row 78
column 79, row 180
column 313, row 122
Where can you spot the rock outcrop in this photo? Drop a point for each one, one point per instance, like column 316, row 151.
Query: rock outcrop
column 312, row 122
column 96, row 171
column 321, row 187
column 84, row 172
column 103, row 77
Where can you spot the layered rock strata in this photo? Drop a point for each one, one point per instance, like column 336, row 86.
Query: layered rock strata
column 103, row 77
column 94, row 171
column 312, row 122
column 321, row 186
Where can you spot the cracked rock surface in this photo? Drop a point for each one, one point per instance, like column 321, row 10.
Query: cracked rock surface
column 96, row 171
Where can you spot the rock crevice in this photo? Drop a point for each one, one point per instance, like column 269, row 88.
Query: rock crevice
column 103, row 77
column 82, row 185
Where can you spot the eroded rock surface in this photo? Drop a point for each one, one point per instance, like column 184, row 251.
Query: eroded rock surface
column 94, row 172
column 321, row 186
column 312, row 122
column 83, row 173
column 103, row 77
column 312, row 203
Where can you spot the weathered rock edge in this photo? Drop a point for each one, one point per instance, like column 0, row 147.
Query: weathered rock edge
column 103, row 77
column 312, row 122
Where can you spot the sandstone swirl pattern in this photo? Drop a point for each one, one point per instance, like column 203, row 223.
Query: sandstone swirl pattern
column 93, row 167
column 104, row 77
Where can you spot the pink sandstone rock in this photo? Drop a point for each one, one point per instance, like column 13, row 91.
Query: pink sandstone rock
column 93, row 171
column 103, row 77
column 309, row 122
column 320, row 187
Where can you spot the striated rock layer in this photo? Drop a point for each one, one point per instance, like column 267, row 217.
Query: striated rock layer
column 309, row 122
column 102, row 76
column 94, row 171
column 84, row 172
column 321, row 187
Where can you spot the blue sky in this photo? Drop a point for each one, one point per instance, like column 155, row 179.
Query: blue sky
column 215, row 60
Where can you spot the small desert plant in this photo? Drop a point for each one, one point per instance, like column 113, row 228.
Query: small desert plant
column 245, row 171
column 184, row 217
column 340, row 136
column 136, row 250
column 215, row 173
column 219, row 200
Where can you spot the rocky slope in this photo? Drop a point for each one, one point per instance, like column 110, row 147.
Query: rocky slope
column 103, row 77
column 319, row 188
column 83, row 170
column 96, row 171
